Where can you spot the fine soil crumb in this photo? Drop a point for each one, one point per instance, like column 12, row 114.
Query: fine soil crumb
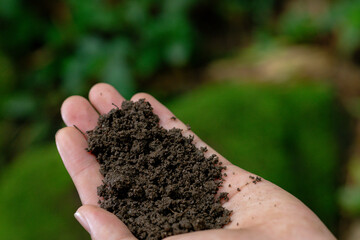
column 203, row 149
column 256, row 179
column 238, row 189
column 173, row 118
column 188, row 127
column 155, row 180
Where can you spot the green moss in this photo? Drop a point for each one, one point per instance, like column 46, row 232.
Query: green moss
column 37, row 198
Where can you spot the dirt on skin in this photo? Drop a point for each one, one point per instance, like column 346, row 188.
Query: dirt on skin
column 155, row 180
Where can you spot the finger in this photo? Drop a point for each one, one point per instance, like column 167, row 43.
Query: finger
column 102, row 96
column 81, row 165
column 78, row 111
column 101, row 224
column 238, row 234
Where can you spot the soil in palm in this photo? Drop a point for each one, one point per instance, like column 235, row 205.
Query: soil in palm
column 155, row 180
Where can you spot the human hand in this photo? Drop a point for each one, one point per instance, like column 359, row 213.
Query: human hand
column 260, row 211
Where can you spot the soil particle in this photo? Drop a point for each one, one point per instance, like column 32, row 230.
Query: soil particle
column 173, row 118
column 203, row 149
column 257, row 179
column 155, row 180
column 188, row 127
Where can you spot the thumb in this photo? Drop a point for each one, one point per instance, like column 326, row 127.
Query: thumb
column 102, row 224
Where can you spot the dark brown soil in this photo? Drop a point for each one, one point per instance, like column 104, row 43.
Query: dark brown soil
column 155, row 180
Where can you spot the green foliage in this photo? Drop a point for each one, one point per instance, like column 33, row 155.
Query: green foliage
column 258, row 12
column 286, row 134
column 344, row 20
column 105, row 41
column 118, row 42
column 299, row 27
column 37, row 198
column 349, row 196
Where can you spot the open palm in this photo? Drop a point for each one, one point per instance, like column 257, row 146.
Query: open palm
column 260, row 211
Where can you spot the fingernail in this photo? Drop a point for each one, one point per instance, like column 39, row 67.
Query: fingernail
column 83, row 221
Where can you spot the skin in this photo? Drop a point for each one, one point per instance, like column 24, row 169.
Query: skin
column 260, row 211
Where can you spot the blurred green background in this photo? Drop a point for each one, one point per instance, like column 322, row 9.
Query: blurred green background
column 272, row 85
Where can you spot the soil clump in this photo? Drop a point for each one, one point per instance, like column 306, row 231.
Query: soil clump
column 155, row 180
